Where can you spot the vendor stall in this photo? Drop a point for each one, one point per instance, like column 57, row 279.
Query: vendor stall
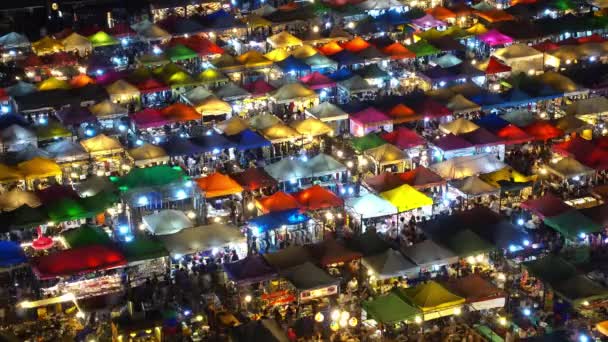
column 433, row 299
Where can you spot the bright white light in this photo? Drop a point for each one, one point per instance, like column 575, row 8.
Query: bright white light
column 123, row 229
column 139, row 142
column 99, row 72
column 156, row 50
column 5, row 109
column 520, row 222
column 129, row 238
column 304, row 158
column 527, row 312
column 583, row 236
column 216, row 151
column 122, row 128
column 526, row 243
column 214, row 251
column 293, row 181
column 512, row 248
column 143, row 200
column 89, row 132
column 181, row 194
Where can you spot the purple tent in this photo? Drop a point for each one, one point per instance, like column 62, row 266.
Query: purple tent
column 494, row 38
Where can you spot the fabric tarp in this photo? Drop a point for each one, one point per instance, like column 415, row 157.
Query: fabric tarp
column 167, row 221
column 330, row 251
column 279, row 201
column 406, row 198
column 86, row 236
column 251, row 269
column 317, row 197
column 572, row 223
column 370, row 205
column 307, row 276
column 390, row 264
column 461, row 167
column 78, row 261
column 254, row 178
column 390, row 309
column 288, row 169
column 430, row 296
column 217, row 185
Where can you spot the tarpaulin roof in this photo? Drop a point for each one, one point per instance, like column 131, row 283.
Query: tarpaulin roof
column 53, row 83
column 495, row 66
column 103, row 39
column 283, row 39
column 543, row 130
column 494, row 16
column 66, row 150
column 81, row 80
column 330, row 48
column 401, row 113
column 143, row 248
column 211, row 75
column 494, row 38
column 68, row 209
column 180, row 52
column 427, row 22
column 366, row 142
column 47, row 45
column 317, row 197
column 386, row 154
column 153, row 32
column 179, row 26
column 592, row 105
column 78, row 261
column 389, row 264
column 147, row 177
column 451, row 142
column 39, row 168
column 370, row 116
column 217, row 184
column 569, row 168
column 213, row 106
column 288, row 169
column 280, row 132
column 292, row 91
column 148, row 153
column 474, row 186
column 278, row 219
column 482, row 137
column 11, row 254
column 357, row 44
column 371, row 205
column 73, row 116
column 263, row 121
column 277, row 55
column 23, row 217
column 304, row 51
column 279, row 201
column 464, row 243
column 251, row 269
column 230, row 92
column 346, row 58
column 430, row 296
column 16, row 198
column 323, row 165
column 85, row 236
column 202, row 238
column 461, row 167
column 317, row 81
column 474, row 288
column 253, row 59
column 571, row 223
column 398, row 51
column 247, row 140
column 546, row 206
column 516, row 51
column 330, row 251
column 292, row 64
column 14, row 40
column 258, row 87
column 421, row 178
column 460, row 104
column 122, row 87
column 384, row 181
column 320, row 61
column 447, row 60
column 406, row 198
column 307, row 276
column 77, row 42
column 311, row 127
column 507, row 174
column 167, row 221
column 458, row 126
column 180, row 112
column 102, row 144
column 403, row 138
column 389, row 309
column 149, row 118
column 254, row 178
column 512, row 134
column 53, row 130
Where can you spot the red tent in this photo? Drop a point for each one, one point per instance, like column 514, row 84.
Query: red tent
column 32, row 61
column 121, row 30
column 279, row 201
column 356, row 44
column 402, row 113
column 384, row 182
column 398, row 51
column 258, row 88
column 81, row 80
column 482, row 137
column 594, row 38
column 254, row 178
column 546, row 206
column 151, row 85
column 149, row 118
column 330, row 48
column 316, row 80
column 496, row 67
column 317, row 197
column 180, row 112
column 403, row 138
column 3, row 95
column 576, row 147
column 430, row 108
column 451, row 142
column 546, row 46
column 78, row 261
column 512, row 134
column 60, row 59
column 421, row 178
column 543, row 130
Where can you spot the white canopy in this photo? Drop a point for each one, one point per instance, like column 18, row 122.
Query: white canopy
column 231, row 92
column 447, row 61
column 427, row 254
column 78, row 43
column 197, row 95
column 167, row 222
column 370, row 205
column 66, row 151
column 202, row 238
column 370, row 5
column 390, row 264
column 288, row 169
column 326, row 112
column 569, row 168
column 14, row 40
column 108, row 110
column 15, row 137
column 461, row 167
column 148, row 154
column 323, row 165
column 473, row 186
column 263, row 121
column 293, row 92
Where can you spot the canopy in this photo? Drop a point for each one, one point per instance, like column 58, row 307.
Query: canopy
column 317, row 197
column 16, row 198
column 251, row 269
column 108, row 110
column 386, row 154
column 390, row 264
column 546, row 206
column 179, row 52
column 102, row 144
column 66, row 151
column 347, row 58
column 231, row 92
column 327, row 112
column 494, row 66
column 142, row 248
column 477, row 291
column 147, row 154
column 319, row 61
column 330, row 252
column 280, row 133
column 52, row 130
column 86, row 236
column 367, row 142
column 150, row 177
column 494, row 16
column 212, row 76
column 389, row 309
column 179, row 112
column 232, row 126
column 447, row 61
column 279, row 201
column 202, row 238
column 460, row 104
column 103, row 39
column 253, row 59
column 263, row 121
column 494, row 38
column 14, row 136
column 461, row 167
column 431, row 298
column 78, row 261
column 330, row 48
column 283, row 39
column 398, row 51
column 81, row 80
column 53, row 83
column 292, row 92
column 370, row 116
column 427, row 22
column 569, row 168
column 149, row 118
column 47, row 45
column 166, row 222
column 153, row 32
column 543, row 130
column 307, row 277
column 213, row 106
column 71, row 116
column 259, row 88
column 513, row 135
column 217, row 185
column 370, row 205
column 406, row 198
column 38, row 168
column 254, row 178
column 293, row 65
column 572, row 223
column 14, row 40
column 248, row 140
column 304, row 51
column 312, row 127
column 591, row 106
column 464, row 243
column 11, row 254
column 355, row 84
column 78, row 43
column 288, row 169
column 323, row 165
column 122, row 88
column 277, row 219
column 421, row 178
column 458, row 126
column 474, row 186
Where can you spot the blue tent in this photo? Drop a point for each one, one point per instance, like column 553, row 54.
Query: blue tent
column 277, row 219
column 392, row 17
column 292, row 64
column 341, row 75
column 515, row 97
column 248, row 140
column 11, row 254
column 346, row 57
column 12, row 119
column 220, row 20
column 487, row 100
column 213, row 142
column 491, row 122
column 181, row 147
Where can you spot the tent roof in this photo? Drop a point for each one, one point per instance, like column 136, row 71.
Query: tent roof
column 122, row 87
column 259, row 87
column 263, row 121
column 367, row 142
column 11, row 254
column 384, row 181
column 389, row 309
column 389, row 264
column 167, row 221
column 179, row 112
column 465, row 243
column 288, row 257
column 283, row 39
column 251, row 269
column 406, row 198
column 101, row 143
column 317, row 81
column 311, row 127
column 330, row 251
column 458, row 126
column 76, row 41
column 143, row 248
column 78, row 261
column 179, row 52
column 254, row 178
column 543, row 130
column 287, row 169
column 447, row 60
column 230, row 91
column 147, row 152
column 569, row 168
column 327, row 111
column 494, row 38
column 513, row 134
column 149, row 118
column 461, row 167
column 517, row 51
column 39, row 168
column 13, row 40
column 103, row 39
column 248, row 140
column 217, row 184
column 53, row 83
column 279, row 201
column 398, row 51
column 494, row 15
column 474, row 288
column 292, row 91
column 592, row 105
column 571, row 223
column 16, row 198
column 202, row 238
column 369, row 116
column 427, row 22
column 421, row 178
column 277, row 55
column 86, row 236
column 307, row 276
column 330, row 48
column 474, row 186
column 213, row 106
column 253, row 59
column 320, row 61
column 232, row 126
column 323, row 165
column 386, row 154
column 148, row 177
column 460, row 104
column 280, row 132
column 430, row 296
column 47, row 45
column 304, row 51
column 66, row 150
column 370, row 205
column 317, row 197
column 292, row 64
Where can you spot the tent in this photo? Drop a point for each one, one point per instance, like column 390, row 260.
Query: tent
column 197, row 95
column 327, row 112
column 122, row 91
column 370, row 206
column 401, row 113
column 101, row 38
column 231, row 92
column 319, row 61
column 14, row 137
column 53, row 83
column 280, row 132
column 78, row 43
column 543, row 130
column 509, row 176
column 454, row 145
column 251, row 269
column 464, row 243
column 202, row 238
column 398, row 51
column 520, row 118
column 427, row 254
column 142, row 248
column 254, row 179
column 330, row 252
column 14, row 40
column 166, row 222
column 27, row 153
column 179, row 52
column 569, row 124
column 108, row 110
column 306, row 277
column 427, row 22
column 283, row 40
column 11, row 254
column 421, row 178
column 569, row 168
column 277, row 219
column 458, row 126
column 102, row 144
column 66, row 151
column 78, row 261
column 317, row 197
column 474, row 186
column 460, row 104
column 385, row 155
column 259, row 88
column 253, row 59
column 248, row 140
column 232, row 126
column 212, row 106
column 330, row 48
column 279, row 201
column 572, row 223
column 324, row 165
column 447, row 61
column 434, row 300
column 81, row 80
column 293, row 92
column 384, row 181
column 288, row 169
column 312, row 127
column 212, row 76
column 356, row 44
column 148, row 154
column 390, row 309
column 390, row 264
column 179, row 112
column 461, row 167
column 85, row 236
column 366, row 120
column 367, row 142
column 263, row 121
column 588, row 107
column 512, row 134
column 153, row 33
column 52, row 130
column 346, row 58
column 149, row 118
column 546, row 206
column 304, row 51
column 72, row 116
column 479, row 293
column 406, row 198
column 47, row 45
column 494, row 38
column 16, row 198
column 355, row 85
column 217, row 185
column 521, row 57
column 38, row 168
column 293, row 65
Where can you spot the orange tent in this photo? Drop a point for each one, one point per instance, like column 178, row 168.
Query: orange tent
column 278, row 201
column 398, row 51
column 330, row 48
column 81, row 80
column 401, row 113
column 441, row 13
column 356, row 44
column 317, row 197
column 217, row 185
column 495, row 16
column 180, row 112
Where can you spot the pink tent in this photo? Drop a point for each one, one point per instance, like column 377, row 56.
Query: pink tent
column 317, row 80
column 368, row 120
column 149, row 118
column 427, row 22
column 494, row 38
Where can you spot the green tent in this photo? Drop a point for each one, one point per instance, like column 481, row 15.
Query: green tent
column 149, row 177
column 551, row 269
column 366, row 142
column 422, row 48
column 23, row 217
column 390, row 309
column 465, row 243
column 66, row 209
column 562, row 5
column 179, row 53
column 572, row 223
column 86, row 236
column 102, row 39
column 98, row 203
column 143, row 248
column 52, row 130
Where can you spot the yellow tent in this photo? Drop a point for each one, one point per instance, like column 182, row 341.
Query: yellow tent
column 387, row 154
column 284, row 39
column 9, row 174
column 255, row 21
column 47, row 45
column 232, row 126
column 406, row 198
column 213, row 106
column 304, row 51
column 211, row 75
column 108, row 110
column 175, row 76
column 53, row 83
column 102, row 144
column 292, row 92
column 253, row 59
column 477, row 29
column 16, row 198
column 507, row 173
column 433, row 299
column 38, row 168
column 277, row 55
column 148, row 154
column 263, row 121
column 76, row 42
column 280, row 132
column 602, row 327
column 122, row 91
column 458, row 126
column 312, row 127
